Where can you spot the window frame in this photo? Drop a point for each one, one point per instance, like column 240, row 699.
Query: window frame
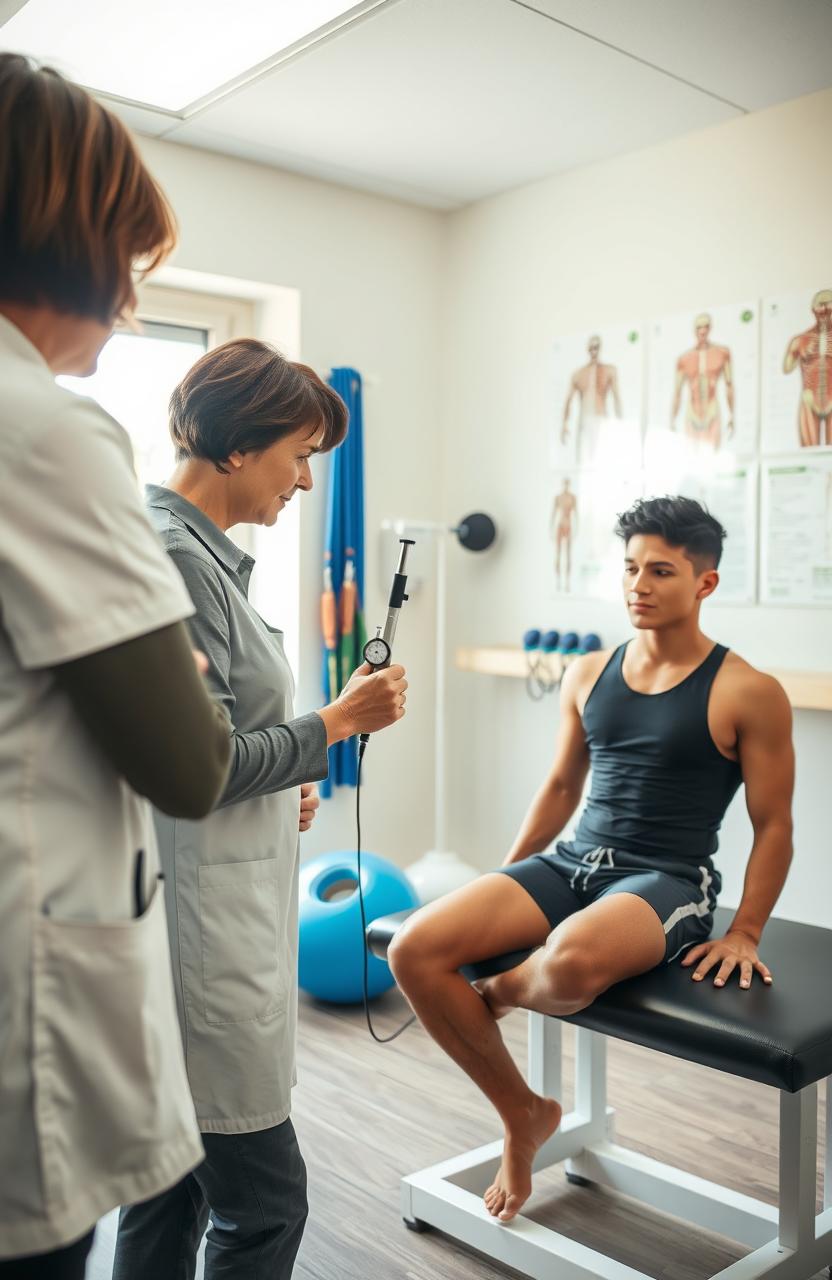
column 221, row 318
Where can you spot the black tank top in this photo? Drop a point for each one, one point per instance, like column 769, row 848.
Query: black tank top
column 659, row 784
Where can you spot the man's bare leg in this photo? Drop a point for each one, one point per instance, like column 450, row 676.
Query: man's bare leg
column 617, row 937
column 484, row 919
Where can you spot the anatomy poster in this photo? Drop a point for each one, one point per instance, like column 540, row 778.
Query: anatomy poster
column 703, row 379
column 587, row 557
column 797, row 530
column 596, row 398
column 730, row 494
column 797, row 371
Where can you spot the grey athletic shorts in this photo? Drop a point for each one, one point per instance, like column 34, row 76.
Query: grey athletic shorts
column 570, row 877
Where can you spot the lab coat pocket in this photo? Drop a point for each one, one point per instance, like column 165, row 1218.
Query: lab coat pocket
column 110, row 1086
column 244, row 975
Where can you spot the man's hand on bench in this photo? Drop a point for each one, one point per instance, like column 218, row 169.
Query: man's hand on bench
column 734, row 950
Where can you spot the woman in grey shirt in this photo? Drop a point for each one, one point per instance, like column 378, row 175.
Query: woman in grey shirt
column 246, row 423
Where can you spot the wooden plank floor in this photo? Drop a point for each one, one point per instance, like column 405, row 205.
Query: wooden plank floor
column 367, row 1113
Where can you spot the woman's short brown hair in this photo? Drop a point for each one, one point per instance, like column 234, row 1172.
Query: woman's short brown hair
column 243, row 396
column 79, row 212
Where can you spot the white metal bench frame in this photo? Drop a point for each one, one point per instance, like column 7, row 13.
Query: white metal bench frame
column 790, row 1244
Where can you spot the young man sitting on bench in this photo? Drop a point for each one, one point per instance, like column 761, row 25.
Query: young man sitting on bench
column 670, row 724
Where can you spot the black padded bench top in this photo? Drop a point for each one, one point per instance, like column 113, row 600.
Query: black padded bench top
column 780, row 1035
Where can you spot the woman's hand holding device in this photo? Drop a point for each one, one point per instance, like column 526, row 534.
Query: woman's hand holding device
column 370, row 701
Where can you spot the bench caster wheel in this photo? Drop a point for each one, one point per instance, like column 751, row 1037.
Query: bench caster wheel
column 416, row 1224
column 577, row 1180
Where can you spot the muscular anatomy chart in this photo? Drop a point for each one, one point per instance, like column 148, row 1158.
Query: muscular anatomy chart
column 797, row 365
column 596, row 398
column 698, row 374
column 703, row 380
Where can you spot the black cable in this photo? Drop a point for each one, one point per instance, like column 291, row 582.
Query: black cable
column 365, row 950
column 535, row 687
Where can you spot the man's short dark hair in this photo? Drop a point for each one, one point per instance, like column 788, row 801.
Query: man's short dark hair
column 682, row 522
column 244, row 395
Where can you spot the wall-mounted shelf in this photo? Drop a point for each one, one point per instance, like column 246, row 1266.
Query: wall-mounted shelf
column 806, row 690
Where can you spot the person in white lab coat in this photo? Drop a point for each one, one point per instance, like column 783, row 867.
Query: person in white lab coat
column 101, row 703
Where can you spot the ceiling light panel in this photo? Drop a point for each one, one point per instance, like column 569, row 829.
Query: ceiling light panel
column 166, row 54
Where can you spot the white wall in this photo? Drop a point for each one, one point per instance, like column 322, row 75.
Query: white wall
column 457, row 312
column 368, row 272
column 741, row 210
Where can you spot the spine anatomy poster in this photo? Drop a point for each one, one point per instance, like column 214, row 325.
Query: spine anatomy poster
column 596, row 398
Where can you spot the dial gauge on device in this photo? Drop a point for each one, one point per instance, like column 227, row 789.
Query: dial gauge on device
column 377, row 652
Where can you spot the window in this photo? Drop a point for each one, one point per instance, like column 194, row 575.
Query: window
column 135, row 377
column 137, row 371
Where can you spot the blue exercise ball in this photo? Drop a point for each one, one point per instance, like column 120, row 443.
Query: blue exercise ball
column 331, row 953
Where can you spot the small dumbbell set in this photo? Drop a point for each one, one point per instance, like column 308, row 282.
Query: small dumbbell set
column 548, row 653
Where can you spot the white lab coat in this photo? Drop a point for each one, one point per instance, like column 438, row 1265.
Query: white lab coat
column 95, row 1109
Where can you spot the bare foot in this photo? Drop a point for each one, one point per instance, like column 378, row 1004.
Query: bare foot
column 486, row 988
column 513, row 1184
